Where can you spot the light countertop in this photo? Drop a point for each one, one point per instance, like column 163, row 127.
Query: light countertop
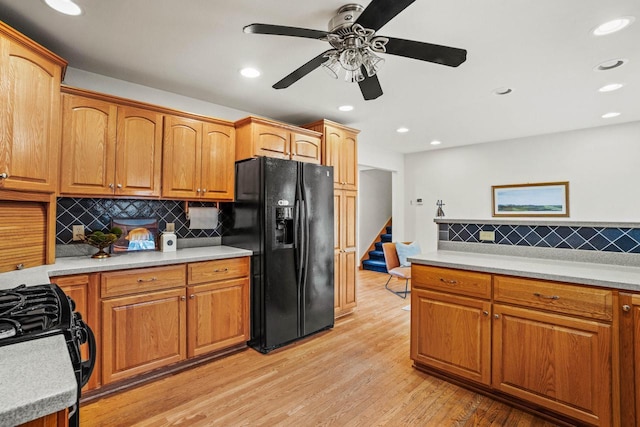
column 36, row 379
column 86, row 264
column 585, row 273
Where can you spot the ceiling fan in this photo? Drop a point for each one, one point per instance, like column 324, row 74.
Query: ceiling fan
column 354, row 44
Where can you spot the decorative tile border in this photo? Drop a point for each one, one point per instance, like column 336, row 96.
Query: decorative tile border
column 590, row 238
column 96, row 214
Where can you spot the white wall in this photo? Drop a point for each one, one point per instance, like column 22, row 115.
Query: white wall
column 601, row 164
column 393, row 162
column 374, row 201
column 103, row 84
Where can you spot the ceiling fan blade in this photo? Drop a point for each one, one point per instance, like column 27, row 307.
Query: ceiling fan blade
column 301, row 72
column 370, row 86
column 450, row 56
column 379, row 12
column 280, row 30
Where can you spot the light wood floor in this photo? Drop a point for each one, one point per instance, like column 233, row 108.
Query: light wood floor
column 358, row 374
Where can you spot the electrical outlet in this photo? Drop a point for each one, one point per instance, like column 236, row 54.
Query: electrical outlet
column 78, row 232
column 488, row 236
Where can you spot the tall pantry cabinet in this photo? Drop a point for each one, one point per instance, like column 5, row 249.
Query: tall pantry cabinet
column 340, row 151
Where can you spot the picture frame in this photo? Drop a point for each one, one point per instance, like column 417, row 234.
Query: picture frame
column 138, row 234
column 546, row 199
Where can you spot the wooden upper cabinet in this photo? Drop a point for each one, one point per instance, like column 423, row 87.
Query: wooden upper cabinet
column 198, row 159
column 29, row 112
column 109, row 149
column 261, row 137
column 340, row 151
column 218, row 161
column 182, row 157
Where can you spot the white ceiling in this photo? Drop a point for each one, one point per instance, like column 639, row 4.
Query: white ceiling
column 541, row 49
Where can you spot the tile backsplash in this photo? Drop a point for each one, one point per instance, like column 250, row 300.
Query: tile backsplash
column 621, row 239
column 96, row 214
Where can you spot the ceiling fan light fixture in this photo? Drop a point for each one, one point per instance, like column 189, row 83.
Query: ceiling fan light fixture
column 66, row 7
column 613, row 26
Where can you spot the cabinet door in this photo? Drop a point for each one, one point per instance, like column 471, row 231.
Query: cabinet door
column 332, row 140
column 83, row 290
column 271, row 141
column 452, row 333
column 30, row 114
column 141, row 333
column 218, row 316
column 305, row 148
column 629, row 310
column 345, row 247
column 182, row 157
column 88, row 146
column 218, row 162
column 558, row 362
column 139, row 152
column 349, row 161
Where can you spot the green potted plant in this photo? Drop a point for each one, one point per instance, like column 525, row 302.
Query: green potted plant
column 102, row 240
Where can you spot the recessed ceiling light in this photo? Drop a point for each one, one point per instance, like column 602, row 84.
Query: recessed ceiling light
column 502, row 91
column 402, row 130
column 345, row 107
column 610, row 87
column 64, row 6
column 613, row 26
column 611, row 64
column 435, row 142
column 250, row 73
column 610, row 115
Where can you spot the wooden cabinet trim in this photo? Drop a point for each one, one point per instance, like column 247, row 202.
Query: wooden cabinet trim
column 20, row 38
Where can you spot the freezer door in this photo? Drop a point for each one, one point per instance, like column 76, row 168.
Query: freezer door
column 318, row 277
column 280, row 289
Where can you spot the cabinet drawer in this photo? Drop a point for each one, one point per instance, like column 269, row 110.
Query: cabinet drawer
column 455, row 281
column 553, row 296
column 141, row 280
column 222, row 269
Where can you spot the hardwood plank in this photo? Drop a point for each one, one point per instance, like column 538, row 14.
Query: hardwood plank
column 358, row 374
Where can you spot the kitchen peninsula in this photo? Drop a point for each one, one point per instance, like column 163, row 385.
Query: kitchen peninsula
column 548, row 334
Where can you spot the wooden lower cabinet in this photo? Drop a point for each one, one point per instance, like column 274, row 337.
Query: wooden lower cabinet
column 83, row 290
column 558, row 362
column 57, row 419
column 218, row 316
column 452, row 333
column 547, row 345
column 630, row 359
column 143, row 332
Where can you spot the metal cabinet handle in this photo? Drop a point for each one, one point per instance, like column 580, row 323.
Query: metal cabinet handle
column 539, row 295
column 153, row 279
column 119, row 185
column 626, row 308
column 111, row 185
column 183, row 298
column 4, row 175
column 220, row 270
column 20, row 266
column 192, row 296
column 496, row 316
column 204, row 190
column 485, row 313
column 451, row 282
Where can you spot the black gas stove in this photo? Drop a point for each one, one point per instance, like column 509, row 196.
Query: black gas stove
column 33, row 312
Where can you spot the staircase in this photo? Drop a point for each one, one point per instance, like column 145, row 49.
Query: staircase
column 376, row 256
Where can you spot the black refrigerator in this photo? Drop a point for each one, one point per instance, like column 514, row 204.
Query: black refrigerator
column 283, row 212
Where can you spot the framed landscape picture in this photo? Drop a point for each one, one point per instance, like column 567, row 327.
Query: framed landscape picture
column 543, row 199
